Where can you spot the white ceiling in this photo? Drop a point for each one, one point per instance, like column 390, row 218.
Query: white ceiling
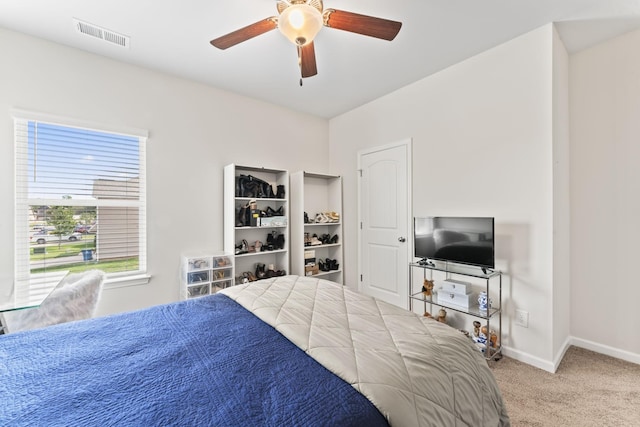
column 173, row 36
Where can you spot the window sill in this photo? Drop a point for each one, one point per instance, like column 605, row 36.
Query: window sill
column 122, row 282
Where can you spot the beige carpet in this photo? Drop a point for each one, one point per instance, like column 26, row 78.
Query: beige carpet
column 589, row 389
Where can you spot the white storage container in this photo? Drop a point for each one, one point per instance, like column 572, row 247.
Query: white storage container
column 454, row 286
column 272, row 221
column 205, row 273
column 455, row 300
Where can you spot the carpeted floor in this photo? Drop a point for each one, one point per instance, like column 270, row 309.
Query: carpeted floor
column 589, row 389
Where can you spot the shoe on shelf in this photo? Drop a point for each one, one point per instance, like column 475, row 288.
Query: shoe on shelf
column 269, row 212
column 333, row 216
column 321, row 218
column 241, row 217
column 240, row 185
column 331, row 264
column 261, row 272
column 242, row 248
column 268, row 191
column 334, row 239
column 315, row 241
column 271, row 241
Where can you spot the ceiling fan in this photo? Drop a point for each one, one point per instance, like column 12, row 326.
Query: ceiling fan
column 301, row 20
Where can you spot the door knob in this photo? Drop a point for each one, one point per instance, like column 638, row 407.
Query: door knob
column 401, row 239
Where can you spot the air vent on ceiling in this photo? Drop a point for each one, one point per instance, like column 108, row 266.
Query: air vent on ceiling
column 101, row 33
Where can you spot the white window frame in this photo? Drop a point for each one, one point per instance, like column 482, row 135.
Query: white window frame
column 22, row 248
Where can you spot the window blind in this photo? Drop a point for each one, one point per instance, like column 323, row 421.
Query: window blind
column 80, row 199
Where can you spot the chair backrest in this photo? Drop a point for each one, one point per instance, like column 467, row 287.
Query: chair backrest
column 75, row 298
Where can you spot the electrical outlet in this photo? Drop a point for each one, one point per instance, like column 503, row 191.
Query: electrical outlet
column 522, row 318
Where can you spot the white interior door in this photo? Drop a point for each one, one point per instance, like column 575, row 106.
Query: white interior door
column 385, row 223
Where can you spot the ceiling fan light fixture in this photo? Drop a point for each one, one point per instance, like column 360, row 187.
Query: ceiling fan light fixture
column 300, row 23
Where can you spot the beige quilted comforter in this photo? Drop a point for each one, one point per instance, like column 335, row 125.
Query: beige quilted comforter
column 417, row 372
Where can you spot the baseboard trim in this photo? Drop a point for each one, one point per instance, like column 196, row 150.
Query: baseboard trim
column 607, row 350
column 529, row 359
column 563, row 350
column 552, row 366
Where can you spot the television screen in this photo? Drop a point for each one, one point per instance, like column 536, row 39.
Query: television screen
column 465, row 240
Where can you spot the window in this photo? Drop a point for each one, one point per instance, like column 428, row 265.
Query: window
column 80, row 199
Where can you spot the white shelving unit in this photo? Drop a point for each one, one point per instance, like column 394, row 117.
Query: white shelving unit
column 205, row 273
column 316, row 193
column 235, row 233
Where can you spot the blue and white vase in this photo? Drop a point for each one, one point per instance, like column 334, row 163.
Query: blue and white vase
column 483, row 301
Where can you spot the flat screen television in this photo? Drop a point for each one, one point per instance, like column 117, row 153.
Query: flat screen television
column 464, row 240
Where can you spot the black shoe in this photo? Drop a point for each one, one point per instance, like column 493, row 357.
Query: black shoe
column 240, row 185
column 250, row 189
column 334, row 239
column 240, row 214
column 270, row 274
column 270, row 212
column 242, row 247
column 280, row 241
column 268, row 191
column 261, row 188
column 260, row 271
column 244, row 216
column 280, row 192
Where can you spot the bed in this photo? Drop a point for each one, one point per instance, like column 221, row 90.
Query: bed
column 284, row 351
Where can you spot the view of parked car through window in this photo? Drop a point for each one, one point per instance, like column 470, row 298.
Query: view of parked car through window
column 43, row 237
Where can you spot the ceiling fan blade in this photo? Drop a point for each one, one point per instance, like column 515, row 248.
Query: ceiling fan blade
column 362, row 24
column 307, row 59
column 245, row 33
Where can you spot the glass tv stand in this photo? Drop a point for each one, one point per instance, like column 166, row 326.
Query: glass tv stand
column 482, row 280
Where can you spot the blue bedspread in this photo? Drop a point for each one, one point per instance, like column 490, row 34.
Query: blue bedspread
column 201, row 362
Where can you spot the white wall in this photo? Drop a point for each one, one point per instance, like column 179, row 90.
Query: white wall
column 561, row 201
column 194, row 131
column 482, row 145
column 605, row 196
